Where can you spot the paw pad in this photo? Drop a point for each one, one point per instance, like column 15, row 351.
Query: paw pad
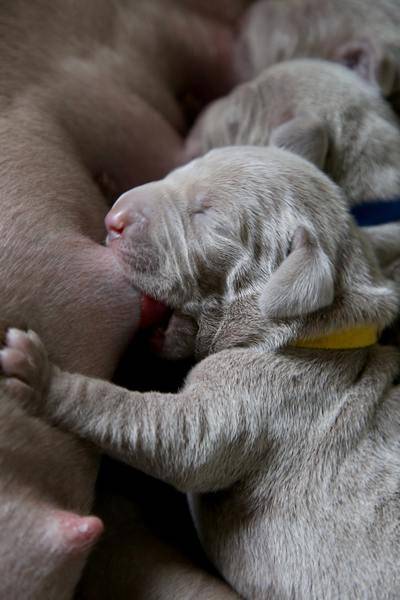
column 23, row 358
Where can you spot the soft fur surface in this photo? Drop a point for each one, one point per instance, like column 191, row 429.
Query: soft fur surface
column 290, row 456
column 361, row 34
column 44, row 473
column 94, row 98
column 319, row 110
column 327, row 114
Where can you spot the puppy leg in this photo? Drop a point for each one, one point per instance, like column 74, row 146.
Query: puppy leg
column 173, row 437
column 153, row 564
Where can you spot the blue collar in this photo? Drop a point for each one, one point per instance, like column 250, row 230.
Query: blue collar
column 377, row 212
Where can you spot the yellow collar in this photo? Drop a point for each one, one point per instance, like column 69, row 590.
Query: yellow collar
column 343, row 339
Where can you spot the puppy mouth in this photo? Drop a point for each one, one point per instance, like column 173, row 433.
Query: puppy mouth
column 154, row 319
column 152, row 313
column 112, row 236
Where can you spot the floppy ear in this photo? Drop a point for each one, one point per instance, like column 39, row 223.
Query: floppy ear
column 370, row 63
column 304, row 135
column 302, row 284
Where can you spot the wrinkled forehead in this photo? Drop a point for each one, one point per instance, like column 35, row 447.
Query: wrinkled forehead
column 221, row 167
column 246, row 176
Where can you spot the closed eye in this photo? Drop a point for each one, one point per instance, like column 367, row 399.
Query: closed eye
column 201, row 205
column 200, row 211
column 201, row 216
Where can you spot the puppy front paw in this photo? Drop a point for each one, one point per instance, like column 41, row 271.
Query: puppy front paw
column 26, row 367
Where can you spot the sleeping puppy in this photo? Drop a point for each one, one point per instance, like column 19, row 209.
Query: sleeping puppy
column 364, row 35
column 328, row 115
column 319, row 110
column 286, row 433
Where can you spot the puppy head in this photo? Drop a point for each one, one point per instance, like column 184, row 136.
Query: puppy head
column 319, row 110
column 240, row 239
column 362, row 35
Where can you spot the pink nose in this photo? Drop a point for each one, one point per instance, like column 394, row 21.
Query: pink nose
column 134, row 207
column 116, row 221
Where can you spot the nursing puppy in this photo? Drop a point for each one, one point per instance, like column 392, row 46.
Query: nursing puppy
column 87, row 109
column 286, row 434
column 364, row 35
column 326, row 114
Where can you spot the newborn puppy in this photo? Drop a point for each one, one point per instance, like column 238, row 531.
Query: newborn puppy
column 319, row 110
column 326, row 114
column 364, row 35
column 286, row 434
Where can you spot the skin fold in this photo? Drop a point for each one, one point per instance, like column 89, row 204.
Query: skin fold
column 289, row 455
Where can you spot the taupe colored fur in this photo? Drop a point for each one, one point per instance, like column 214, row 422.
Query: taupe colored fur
column 362, row 34
column 320, row 111
column 290, row 456
column 92, row 101
column 324, row 113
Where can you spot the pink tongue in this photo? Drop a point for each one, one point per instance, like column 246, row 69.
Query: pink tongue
column 152, row 312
